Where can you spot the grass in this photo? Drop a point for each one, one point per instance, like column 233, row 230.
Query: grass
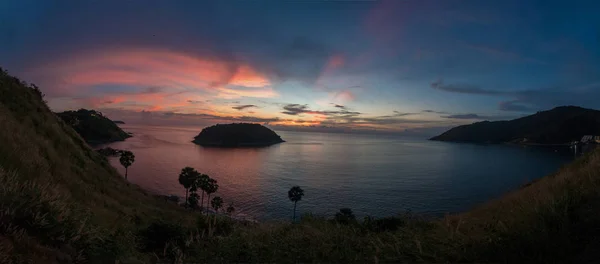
column 61, row 202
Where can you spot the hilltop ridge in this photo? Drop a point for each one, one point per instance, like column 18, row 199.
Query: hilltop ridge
column 559, row 125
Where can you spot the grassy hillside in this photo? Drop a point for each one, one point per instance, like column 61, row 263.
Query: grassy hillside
column 556, row 126
column 61, row 202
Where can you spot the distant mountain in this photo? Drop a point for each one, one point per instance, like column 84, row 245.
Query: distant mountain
column 556, row 126
column 237, row 135
column 93, row 127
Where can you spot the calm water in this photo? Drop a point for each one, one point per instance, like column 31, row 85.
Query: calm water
column 375, row 175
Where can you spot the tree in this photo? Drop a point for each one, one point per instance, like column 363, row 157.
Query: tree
column 230, row 209
column 202, row 184
column 211, row 188
column 189, row 179
column 295, row 194
column 217, row 203
column 127, row 158
column 345, row 216
column 193, row 200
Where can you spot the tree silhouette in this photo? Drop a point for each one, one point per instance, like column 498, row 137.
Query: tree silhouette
column 193, row 200
column 127, row 158
column 217, row 203
column 211, row 187
column 295, row 194
column 203, row 184
column 345, row 216
column 189, row 179
column 230, row 209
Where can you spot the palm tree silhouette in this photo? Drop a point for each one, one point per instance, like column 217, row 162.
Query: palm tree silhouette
column 203, row 184
column 295, row 194
column 211, row 188
column 217, row 203
column 127, row 158
column 230, row 209
column 189, row 179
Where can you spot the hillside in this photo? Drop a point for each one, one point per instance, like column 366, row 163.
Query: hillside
column 560, row 125
column 93, row 127
column 61, row 202
column 237, row 135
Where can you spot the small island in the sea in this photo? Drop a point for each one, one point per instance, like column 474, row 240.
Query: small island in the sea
column 237, row 135
column 93, row 127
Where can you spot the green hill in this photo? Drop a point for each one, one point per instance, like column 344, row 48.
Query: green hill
column 94, row 127
column 237, row 135
column 560, row 125
column 61, row 202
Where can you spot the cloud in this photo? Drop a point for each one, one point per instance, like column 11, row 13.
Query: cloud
column 434, row 112
column 242, row 107
column 339, row 106
column 195, row 102
column 515, row 106
column 298, row 109
column 464, row 88
column 465, row 116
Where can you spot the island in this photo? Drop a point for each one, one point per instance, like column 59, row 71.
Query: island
column 93, row 127
column 118, row 122
column 558, row 126
column 237, row 135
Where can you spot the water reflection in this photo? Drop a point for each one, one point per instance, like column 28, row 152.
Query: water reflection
column 379, row 176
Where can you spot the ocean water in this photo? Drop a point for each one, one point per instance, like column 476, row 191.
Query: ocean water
column 371, row 174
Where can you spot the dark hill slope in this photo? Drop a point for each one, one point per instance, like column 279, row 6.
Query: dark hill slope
column 93, row 127
column 60, row 200
column 557, row 126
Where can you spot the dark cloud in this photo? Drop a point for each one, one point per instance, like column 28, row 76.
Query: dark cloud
column 242, row 107
column 297, row 109
column 434, row 112
column 466, row 116
column 194, row 101
column 515, row 106
column 339, row 106
column 464, row 88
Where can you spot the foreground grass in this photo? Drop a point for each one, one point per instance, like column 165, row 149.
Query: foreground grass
column 61, row 202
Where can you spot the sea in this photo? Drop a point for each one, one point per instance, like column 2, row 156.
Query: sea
column 375, row 175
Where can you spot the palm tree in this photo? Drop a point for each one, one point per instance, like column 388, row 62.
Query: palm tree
column 203, row 183
column 211, row 188
column 189, row 179
column 230, row 209
column 127, row 158
column 295, row 194
column 217, row 203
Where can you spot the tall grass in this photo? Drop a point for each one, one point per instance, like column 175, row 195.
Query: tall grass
column 60, row 202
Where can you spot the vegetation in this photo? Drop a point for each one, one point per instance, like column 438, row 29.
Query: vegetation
column 560, row 125
column 109, row 152
column 127, row 158
column 217, row 203
column 93, row 127
column 295, row 195
column 237, row 135
column 61, row 202
column 188, row 178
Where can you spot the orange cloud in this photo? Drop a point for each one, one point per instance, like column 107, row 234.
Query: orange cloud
column 146, row 67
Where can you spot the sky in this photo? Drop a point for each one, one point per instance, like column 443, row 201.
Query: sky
column 402, row 66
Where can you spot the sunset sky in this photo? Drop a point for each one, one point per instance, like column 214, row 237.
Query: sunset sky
column 398, row 65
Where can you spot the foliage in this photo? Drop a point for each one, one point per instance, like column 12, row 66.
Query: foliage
column 127, row 158
column 93, row 127
column 189, row 179
column 217, row 203
column 237, row 135
column 556, row 126
column 345, row 216
column 295, row 195
column 230, row 209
